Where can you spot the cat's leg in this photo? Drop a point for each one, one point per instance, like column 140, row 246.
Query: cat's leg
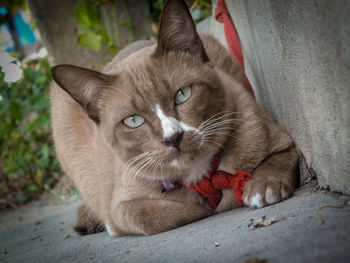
column 273, row 181
column 87, row 221
column 148, row 217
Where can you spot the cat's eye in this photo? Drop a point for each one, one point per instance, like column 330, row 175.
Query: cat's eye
column 183, row 95
column 133, row 121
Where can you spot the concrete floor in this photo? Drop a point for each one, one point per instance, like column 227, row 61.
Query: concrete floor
column 42, row 232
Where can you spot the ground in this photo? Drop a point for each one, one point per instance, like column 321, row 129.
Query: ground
column 300, row 229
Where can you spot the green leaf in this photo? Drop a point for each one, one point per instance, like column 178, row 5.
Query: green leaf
column 39, row 121
column 41, row 103
column 41, row 79
column 90, row 40
column 33, row 188
column 45, row 155
column 82, row 30
column 15, row 110
column 81, row 15
column 86, row 14
column 113, row 48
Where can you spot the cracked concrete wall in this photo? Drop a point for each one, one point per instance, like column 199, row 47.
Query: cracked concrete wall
column 297, row 57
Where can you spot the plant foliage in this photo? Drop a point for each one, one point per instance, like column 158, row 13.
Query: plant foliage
column 200, row 9
column 98, row 24
column 25, row 144
column 99, row 20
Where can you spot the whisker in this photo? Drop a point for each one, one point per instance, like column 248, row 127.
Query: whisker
column 155, row 168
column 213, row 131
column 225, row 134
column 213, row 142
column 218, row 125
column 222, row 123
column 148, row 165
column 222, row 146
column 217, row 114
column 144, row 165
column 220, row 118
column 139, row 160
column 212, row 119
column 131, row 173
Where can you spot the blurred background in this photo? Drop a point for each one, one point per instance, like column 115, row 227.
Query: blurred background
column 35, row 35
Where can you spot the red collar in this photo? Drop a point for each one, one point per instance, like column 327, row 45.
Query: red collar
column 211, row 186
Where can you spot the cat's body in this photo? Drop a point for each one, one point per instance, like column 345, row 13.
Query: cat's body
column 118, row 168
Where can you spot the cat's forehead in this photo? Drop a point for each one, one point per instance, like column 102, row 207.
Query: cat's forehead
column 145, row 86
column 169, row 72
column 138, row 87
column 122, row 63
column 144, row 81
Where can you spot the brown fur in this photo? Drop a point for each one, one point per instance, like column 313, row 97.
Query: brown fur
column 88, row 222
column 96, row 148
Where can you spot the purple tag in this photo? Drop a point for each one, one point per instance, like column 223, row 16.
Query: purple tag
column 168, row 185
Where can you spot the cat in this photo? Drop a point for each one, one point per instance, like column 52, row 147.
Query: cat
column 162, row 110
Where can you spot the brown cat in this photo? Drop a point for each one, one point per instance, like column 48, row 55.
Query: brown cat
column 162, row 111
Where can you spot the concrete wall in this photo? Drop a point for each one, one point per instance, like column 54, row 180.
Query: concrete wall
column 297, row 56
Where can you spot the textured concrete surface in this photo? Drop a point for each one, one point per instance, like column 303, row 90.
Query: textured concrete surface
column 297, row 56
column 43, row 233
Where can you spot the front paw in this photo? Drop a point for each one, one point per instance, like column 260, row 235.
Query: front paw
column 88, row 222
column 263, row 191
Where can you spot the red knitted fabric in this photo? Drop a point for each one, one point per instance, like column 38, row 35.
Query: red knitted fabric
column 211, row 186
column 231, row 36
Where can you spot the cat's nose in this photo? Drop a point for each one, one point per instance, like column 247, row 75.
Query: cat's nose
column 173, row 140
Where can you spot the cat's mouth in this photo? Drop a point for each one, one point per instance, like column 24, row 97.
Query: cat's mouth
column 195, row 145
column 188, row 152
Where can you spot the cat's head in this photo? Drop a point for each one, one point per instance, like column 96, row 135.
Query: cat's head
column 163, row 107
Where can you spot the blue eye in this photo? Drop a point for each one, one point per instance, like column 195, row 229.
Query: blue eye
column 133, row 121
column 183, row 95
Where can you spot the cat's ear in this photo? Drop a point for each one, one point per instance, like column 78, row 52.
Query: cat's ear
column 177, row 31
column 83, row 85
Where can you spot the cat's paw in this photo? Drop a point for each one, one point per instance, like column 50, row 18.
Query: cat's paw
column 260, row 192
column 87, row 222
column 89, row 228
column 110, row 230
